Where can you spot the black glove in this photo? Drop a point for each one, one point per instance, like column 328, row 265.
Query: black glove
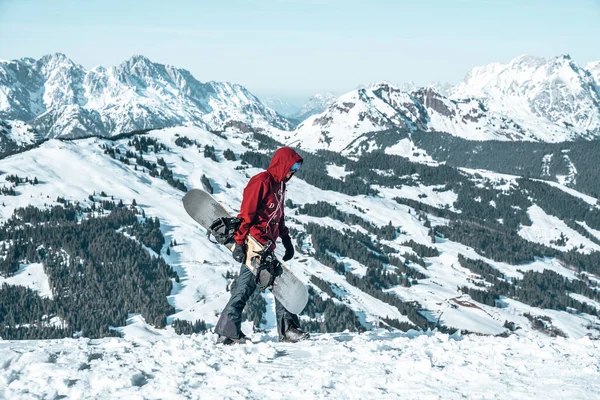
column 239, row 253
column 289, row 248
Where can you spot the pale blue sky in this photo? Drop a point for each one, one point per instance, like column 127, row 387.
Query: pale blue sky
column 297, row 48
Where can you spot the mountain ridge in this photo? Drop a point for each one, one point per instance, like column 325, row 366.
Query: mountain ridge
column 62, row 99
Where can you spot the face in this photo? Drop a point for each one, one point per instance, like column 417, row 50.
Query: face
column 293, row 170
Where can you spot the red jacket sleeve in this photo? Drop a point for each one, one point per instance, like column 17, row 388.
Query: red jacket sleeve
column 253, row 195
column 283, row 230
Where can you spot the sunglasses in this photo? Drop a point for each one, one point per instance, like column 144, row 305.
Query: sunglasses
column 296, row 166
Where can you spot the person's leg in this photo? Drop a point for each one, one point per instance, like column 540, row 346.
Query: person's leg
column 288, row 324
column 230, row 321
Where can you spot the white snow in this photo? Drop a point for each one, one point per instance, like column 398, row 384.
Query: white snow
column 31, row 276
column 423, row 194
column 546, row 164
column 154, row 363
column 21, row 133
column 334, row 366
column 571, row 177
column 336, row 171
column 406, row 148
column 551, row 99
column 499, row 181
column 546, row 228
column 594, row 68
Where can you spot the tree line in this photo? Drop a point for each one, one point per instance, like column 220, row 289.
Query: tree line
column 97, row 275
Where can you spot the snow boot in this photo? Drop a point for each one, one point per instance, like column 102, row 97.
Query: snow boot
column 228, row 341
column 293, row 335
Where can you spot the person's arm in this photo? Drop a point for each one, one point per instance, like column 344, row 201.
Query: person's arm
column 283, row 230
column 253, row 195
column 284, row 234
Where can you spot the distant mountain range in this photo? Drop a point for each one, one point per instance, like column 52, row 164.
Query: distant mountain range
column 534, row 99
column 530, row 98
column 316, row 104
column 62, row 99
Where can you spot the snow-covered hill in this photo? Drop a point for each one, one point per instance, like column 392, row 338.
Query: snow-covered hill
column 62, row 99
column 157, row 363
column 378, row 365
column 73, row 170
column 554, row 98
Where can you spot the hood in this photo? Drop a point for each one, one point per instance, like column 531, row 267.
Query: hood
column 282, row 161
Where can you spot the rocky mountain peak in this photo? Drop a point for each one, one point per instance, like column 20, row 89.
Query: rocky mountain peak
column 61, row 98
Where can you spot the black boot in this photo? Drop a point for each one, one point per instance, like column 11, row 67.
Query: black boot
column 294, row 334
column 227, row 340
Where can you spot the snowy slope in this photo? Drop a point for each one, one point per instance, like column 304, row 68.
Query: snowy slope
column 75, row 169
column 334, row 366
column 31, row 276
column 555, row 98
column 62, row 99
column 15, row 135
column 547, row 229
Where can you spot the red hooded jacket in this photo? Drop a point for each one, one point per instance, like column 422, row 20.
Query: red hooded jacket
column 262, row 203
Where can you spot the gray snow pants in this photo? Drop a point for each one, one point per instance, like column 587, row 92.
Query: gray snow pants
column 230, row 321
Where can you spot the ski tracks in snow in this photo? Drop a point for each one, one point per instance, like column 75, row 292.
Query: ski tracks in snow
column 339, row 366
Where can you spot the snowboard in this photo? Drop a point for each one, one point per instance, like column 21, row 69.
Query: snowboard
column 287, row 288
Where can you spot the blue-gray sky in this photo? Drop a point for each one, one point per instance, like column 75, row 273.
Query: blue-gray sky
column 294, row 48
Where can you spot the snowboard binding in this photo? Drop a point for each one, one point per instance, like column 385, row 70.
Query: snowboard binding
column 268, row 267
column 221, row 230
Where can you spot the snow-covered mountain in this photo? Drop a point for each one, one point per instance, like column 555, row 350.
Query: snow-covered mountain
column 19, row 133
column 534, row 99
column 594, row 69
column 352, row 123
column 283, row 107
column 299, row 112
column 554, row 98
column 315, row 105
column 62, row 99
column 443, row 88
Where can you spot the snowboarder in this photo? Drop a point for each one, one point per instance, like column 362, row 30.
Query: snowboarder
column 262, row 217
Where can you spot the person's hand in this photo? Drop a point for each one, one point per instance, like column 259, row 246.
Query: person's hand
column 239, row 253
column 289, row 248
